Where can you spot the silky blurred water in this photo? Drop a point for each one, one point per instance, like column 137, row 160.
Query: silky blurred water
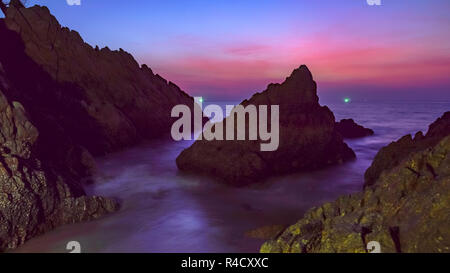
column 166, row 211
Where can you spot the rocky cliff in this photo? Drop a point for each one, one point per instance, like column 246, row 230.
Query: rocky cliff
column 406, row 207
column 60, row 101
column 106, row 101
column 308, row 138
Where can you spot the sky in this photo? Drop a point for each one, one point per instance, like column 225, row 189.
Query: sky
column 231, row 49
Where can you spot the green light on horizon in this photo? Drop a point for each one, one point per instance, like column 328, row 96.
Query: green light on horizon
column 200, row 99
column 347, row 100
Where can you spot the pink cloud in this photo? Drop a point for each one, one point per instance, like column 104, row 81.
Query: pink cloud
column 343, row 58
column 247, row 50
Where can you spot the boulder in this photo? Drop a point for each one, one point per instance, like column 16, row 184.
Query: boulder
column 348, row 128
column 308, row 138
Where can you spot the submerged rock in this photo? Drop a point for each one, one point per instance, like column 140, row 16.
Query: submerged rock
column 308, row 138
column 266, row 232
column 406, row 208
column 348, row 128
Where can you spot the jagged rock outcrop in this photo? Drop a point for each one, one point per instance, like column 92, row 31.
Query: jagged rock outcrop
column 60, row 101
column 78, row 101
column 406, row 209
column 308, row 138
column 103, row 99
column 348, row 128
column 390, row 156
column 35, row 197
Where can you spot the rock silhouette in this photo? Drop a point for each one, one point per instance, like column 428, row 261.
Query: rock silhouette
column 348, row 128
column 308, row 138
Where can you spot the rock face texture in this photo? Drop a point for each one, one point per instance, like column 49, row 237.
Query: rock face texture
column 61, row 101
column 308, row 138
column 406, row 208
column 348, row 128
column 102, row 98
column 27, row 82
column 34, row 196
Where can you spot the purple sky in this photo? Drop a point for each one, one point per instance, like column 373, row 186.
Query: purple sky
column 231, row 49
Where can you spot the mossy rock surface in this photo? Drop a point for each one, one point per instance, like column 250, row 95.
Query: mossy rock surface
column 406, row 208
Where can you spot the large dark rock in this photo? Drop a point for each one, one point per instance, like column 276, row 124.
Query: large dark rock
column 348, row 128
column 406, row 209
column 308, row 138
column 60, row 101
column 27, row 82
column 103, row 99
column 78, row 101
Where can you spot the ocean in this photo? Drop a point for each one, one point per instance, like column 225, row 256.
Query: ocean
column 164, row 210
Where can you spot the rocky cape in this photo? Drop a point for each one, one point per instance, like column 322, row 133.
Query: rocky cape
column 405, row 205
column 308, row 138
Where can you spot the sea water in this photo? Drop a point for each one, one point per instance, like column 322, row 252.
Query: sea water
column 164, row 210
